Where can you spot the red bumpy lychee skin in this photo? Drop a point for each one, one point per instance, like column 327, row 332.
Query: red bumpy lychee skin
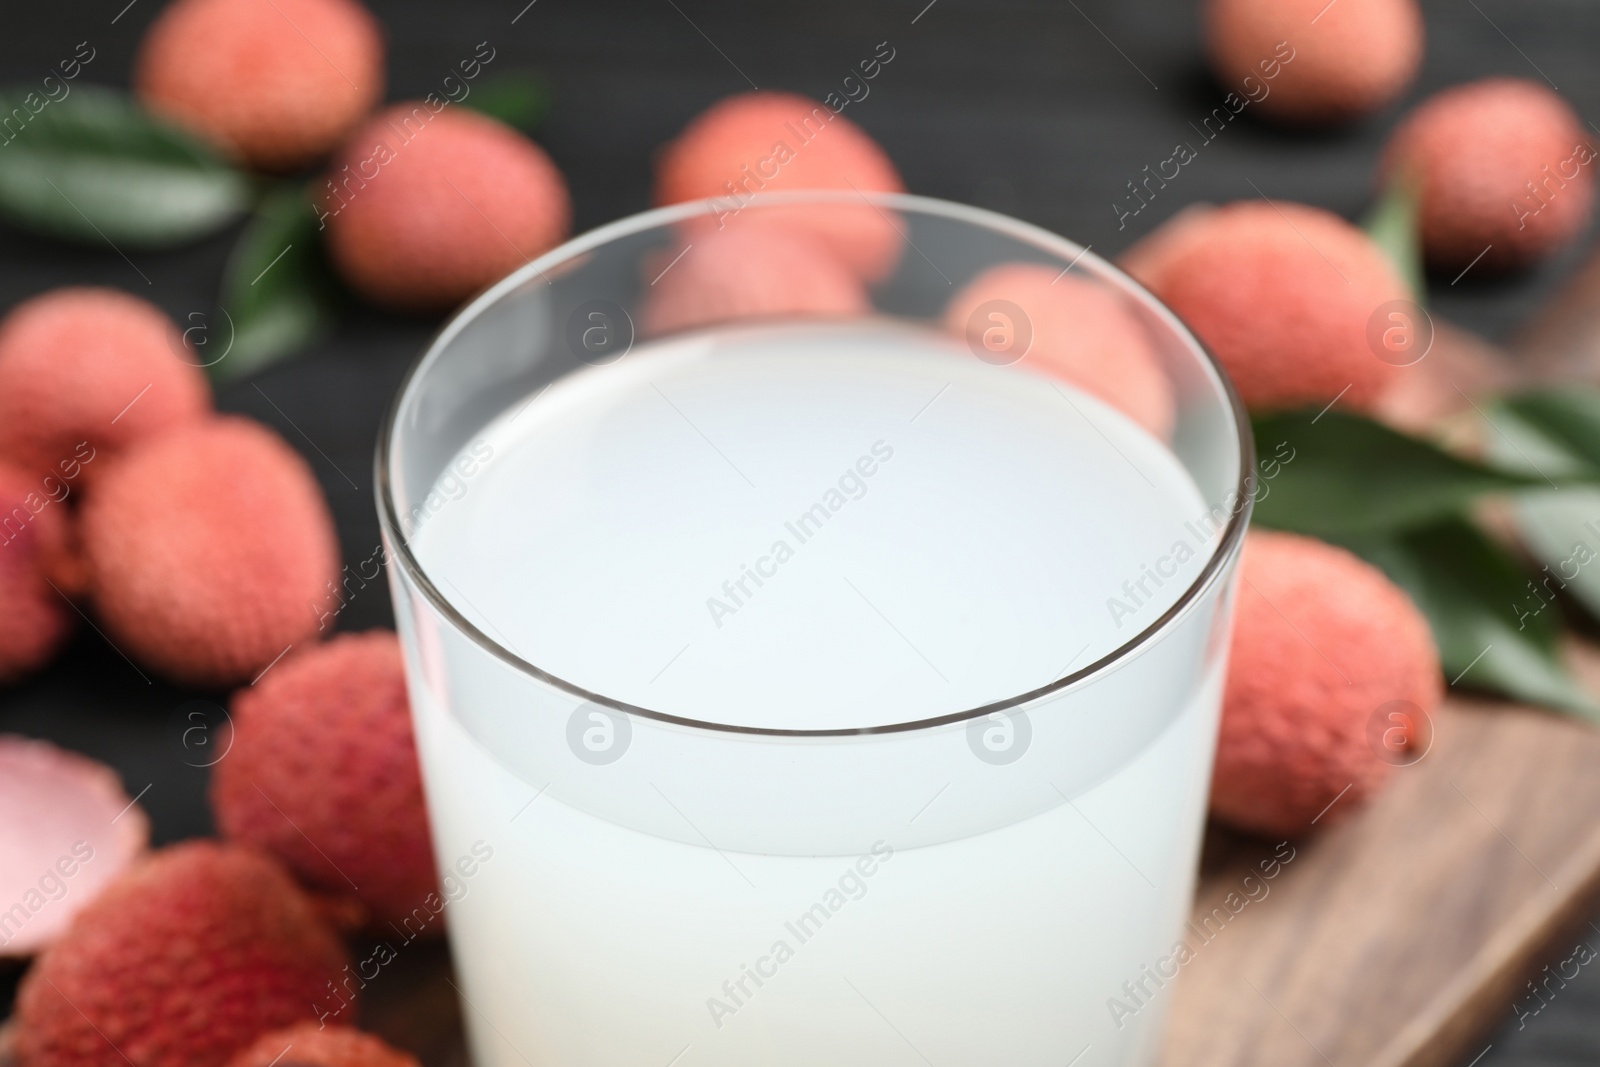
column 309, row 1045
column 181, row 962
column 34, row 618
column 748, row 271
column 1309, row 62
column 275, row 84
column 1283, row 295
column 1504, row 169
column 211, row 551
column 69, row 830
column 323, row 774
column 84, row 373
column 768, row 142
column 1321, row 642
column 1080, row 332
column 426, row 206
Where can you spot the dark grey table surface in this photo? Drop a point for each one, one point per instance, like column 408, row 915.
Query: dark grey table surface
column 1040, row 108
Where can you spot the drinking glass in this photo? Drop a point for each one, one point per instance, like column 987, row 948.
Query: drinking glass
column 812, row 850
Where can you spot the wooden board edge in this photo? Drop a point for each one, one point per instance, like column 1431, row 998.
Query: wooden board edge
column 1465, row 1009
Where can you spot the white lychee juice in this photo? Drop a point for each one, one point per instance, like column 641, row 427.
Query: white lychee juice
column 798, row 553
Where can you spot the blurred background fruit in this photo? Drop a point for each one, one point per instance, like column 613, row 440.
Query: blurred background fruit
column 87, row 372
column 1078, row 331
column 775, row 142
column 1282, row 293
column 429, row 206
column 750, row 270
column 1503, row 169
column 273, row 83
column 1311, row 62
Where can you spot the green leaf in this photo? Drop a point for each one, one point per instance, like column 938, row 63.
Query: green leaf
column 277, row 290
column 1494, row 630
column 1350, row 475
column 1569, row 417
column 518, row 98
column 1557, row 434
column 1560, row 528
column 95, row 166
column 1392, row 225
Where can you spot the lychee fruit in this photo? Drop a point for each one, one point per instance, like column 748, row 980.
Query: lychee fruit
column 181, row 962
column 323, row 774
column 1311, row 62
column 1283, row 294
column 275, row 84
column 69, row 831
column 1323, row 643
column 769, row 142
column 211, row 549
column 34, row 618
column 310, row 1045
column 749, row 271
column 1148, row 258
column 425, row 205
column 86, row 372
column 1503, row 169
column 1070, row 328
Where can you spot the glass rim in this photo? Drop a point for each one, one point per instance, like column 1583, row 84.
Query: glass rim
column 388, row 512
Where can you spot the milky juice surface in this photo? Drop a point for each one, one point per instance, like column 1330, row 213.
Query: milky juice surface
column 809, row 527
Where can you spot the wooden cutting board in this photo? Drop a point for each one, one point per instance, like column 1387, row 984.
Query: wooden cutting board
column 1403, row 935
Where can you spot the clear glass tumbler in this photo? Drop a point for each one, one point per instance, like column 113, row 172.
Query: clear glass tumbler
column 815, row 613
